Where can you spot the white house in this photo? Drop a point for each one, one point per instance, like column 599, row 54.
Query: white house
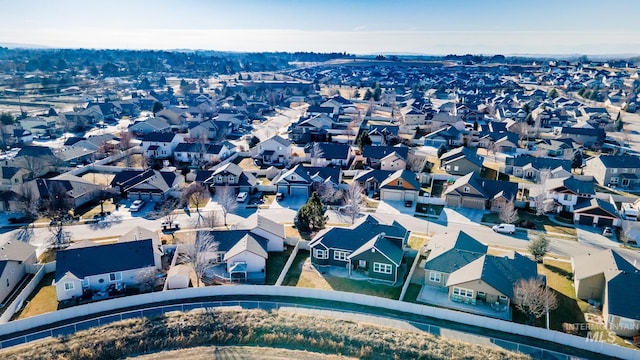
column 393, row 162
column 275, row 151
column 160, row 145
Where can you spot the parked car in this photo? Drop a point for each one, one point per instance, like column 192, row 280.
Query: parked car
column 504, row 228
column 279, row 196
column 408, row 203
column 137, row 205
column 168, row 225
column 242, row 197
column 607, row 231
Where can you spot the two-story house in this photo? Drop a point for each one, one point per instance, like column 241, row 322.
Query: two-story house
column 160, row 145
column 196, row 153
column 530, row 167
column 273, row 151
column 567, row 192
column 369, row 247
column 615, row 170
column 230, row 175
column 461, row 161
column 329, row 154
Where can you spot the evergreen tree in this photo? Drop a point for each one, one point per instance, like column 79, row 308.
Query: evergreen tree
column 377, row 93
column 363, row 140
column 356, row 95
column 367, row 95
column 538, row 247
column 576, row 163
column 6, row 118
column 311, row 216
column 162, row 82
column 617, row 124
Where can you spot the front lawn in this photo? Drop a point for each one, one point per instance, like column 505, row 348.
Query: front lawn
column 560, row 279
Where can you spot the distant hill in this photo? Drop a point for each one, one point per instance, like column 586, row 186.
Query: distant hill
column 23, row 46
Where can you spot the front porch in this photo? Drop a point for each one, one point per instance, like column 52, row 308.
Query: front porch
column 439, row 296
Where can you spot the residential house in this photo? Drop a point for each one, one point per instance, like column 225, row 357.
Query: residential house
column 460, row 264
column 393, row 161
column 150, row 125
column 329, row 154
column 530, row 167
column 584, row 136
column 15, row 256
column 596, row 212
column 371, row 179
column 471, row 191
column 605, row 277
column 87, row 267
column 147, row 184
column 461, row 161
column 315, row 128
column 272, row 151
column 41, row 125
column 230, row 175
column 401, row 185
column 324, row 177
column 241, row 255
column 567, row 192
column 77, row 191
column 11, row 176
column 198, row 153
column 210, row 130
column 295, row 181
column 368, row 247
column 374, row 155
column 448, row 136
column 556, row 148
column 615, row 170
column 414, row 117
column 160, row 145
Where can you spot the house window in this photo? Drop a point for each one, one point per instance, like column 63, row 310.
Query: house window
column 566, row 197
column 340, row 255
column 614, row 180
column 320, row 254
column 502, row 298
column 68, row 286
column 218, row 258
column 462, row 292
column 518, row 171
column 466, row 189
column 85, row 282
column 382, row 268
column 614, row 171
column 115, row 276
column 399, row 182
column 362, row 263
column 231, row 178
column 456, row 168
column 219, row 178
column 448, row 167
column 434, row 276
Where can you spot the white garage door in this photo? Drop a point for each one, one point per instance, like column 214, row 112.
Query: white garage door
column 299, row 191
column 391, row 195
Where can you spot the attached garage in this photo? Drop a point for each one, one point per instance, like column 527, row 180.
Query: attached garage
column 605, row 222
column 299, row 191
column 585, row 220
column 473, row 203
column 391, row 195
column 453, row 201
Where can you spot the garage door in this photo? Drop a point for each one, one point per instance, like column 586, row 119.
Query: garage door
column 585, row 220
column 299, row 191
column 391, row 195
column 605, row 222
column 473, row 203
column 453, row 201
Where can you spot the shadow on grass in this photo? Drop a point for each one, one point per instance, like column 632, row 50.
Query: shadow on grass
column 293, row 276
column 562, row 272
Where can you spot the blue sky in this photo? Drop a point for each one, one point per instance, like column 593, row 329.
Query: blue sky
column 356, row 26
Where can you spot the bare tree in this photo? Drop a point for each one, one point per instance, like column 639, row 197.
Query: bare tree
column 146, row 279
column 225, row 197
column 509, row 213
column 200, row 254
column 534, row 299
column 210, row 220
column 26, row 199
column 328, row 193
column 197, row 195
column 416, row 162
column 316, row 154
column 353, row 201
column 541, row 201
column 126, row 138
column 56, row 206
column 167, row 210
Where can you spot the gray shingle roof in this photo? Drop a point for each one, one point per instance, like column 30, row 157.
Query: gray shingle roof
column 103, row 259
column 450, row 252
column 620, row 161
column 354, row 237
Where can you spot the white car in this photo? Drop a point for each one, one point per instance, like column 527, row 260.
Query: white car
column 504, row 228
column 136, row 205
column 242, row 197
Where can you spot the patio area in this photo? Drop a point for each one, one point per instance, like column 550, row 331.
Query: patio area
column 440, row 297
column 218, row 274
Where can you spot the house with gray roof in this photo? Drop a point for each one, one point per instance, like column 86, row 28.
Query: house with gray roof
column 273, row 151
column 369, row 247
column 296, row 181
column 529, row 167
column 230, row 175
column 160, row 145
column 86, row 267
column 607, row 278
column 615, row 170
column 596, row 212
column 15, row 256
column 147, row 184
column 461, row 161
column 567, row 192
column 401, row 185
column 460, row 264
column 147, row 126
column 473, row 192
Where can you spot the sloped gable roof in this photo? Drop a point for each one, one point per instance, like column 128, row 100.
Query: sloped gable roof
column 103, row 259
column 449, row 252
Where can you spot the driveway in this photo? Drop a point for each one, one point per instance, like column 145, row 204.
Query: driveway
column 593, row 236
column 461, row 216
column 395, row 207
column 289, row 202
